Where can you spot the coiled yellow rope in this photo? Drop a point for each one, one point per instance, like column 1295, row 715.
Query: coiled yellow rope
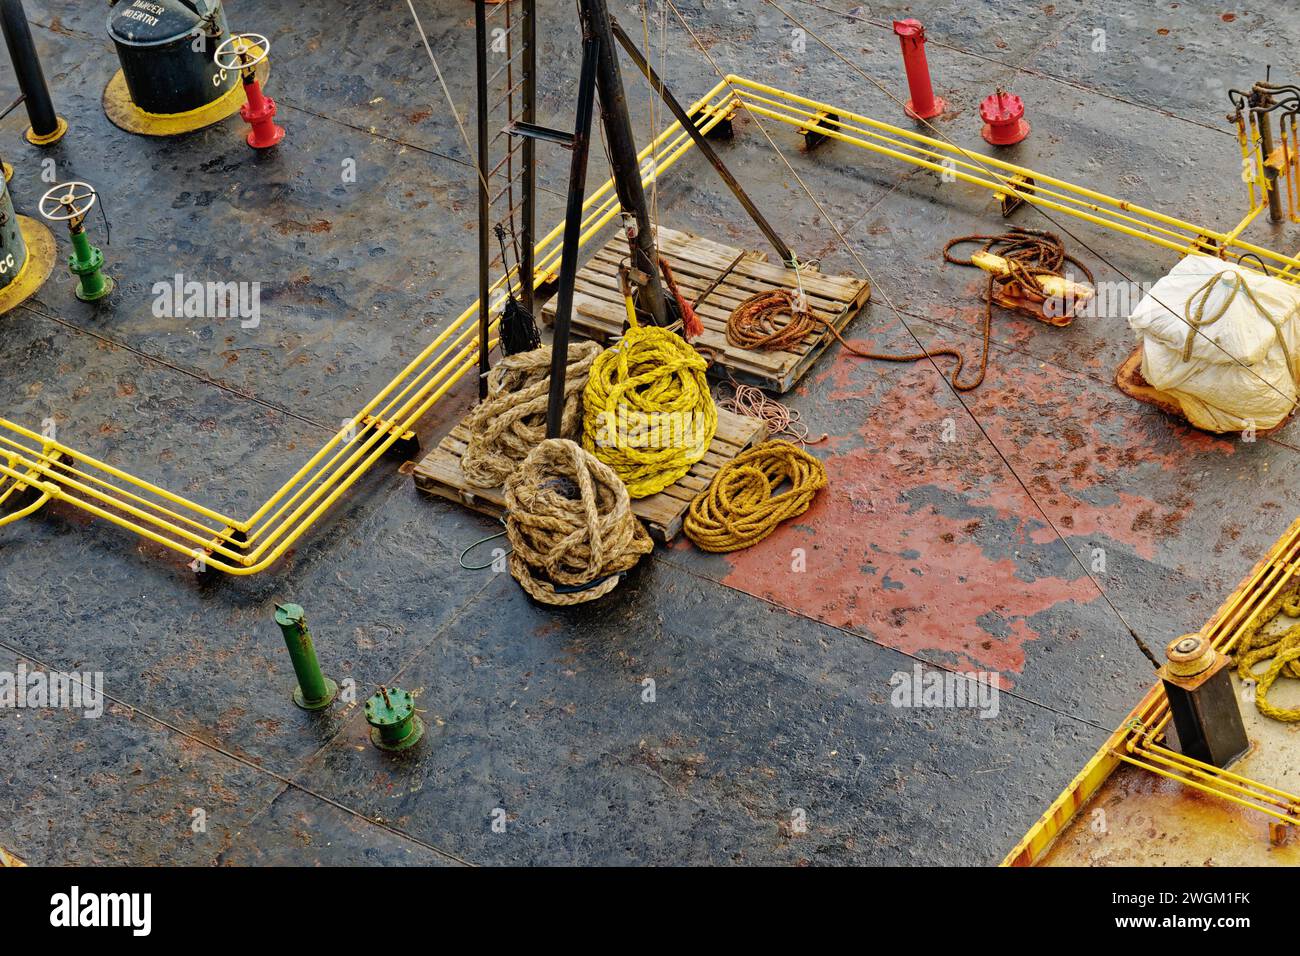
column 741, row 507
column 1281, row 650
column 648, row 413
column 570, row 525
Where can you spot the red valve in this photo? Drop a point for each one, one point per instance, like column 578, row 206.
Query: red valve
column 1003, row 114
column 259, row 113
column 923, row 104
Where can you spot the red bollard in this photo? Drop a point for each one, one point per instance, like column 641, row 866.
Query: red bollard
column 259, row 112
column 923, row 104
column 1003, row 115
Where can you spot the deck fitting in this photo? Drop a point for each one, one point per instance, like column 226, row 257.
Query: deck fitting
column 315, row 691
column 405, row 448
column 1201, row 699
column 394, row 724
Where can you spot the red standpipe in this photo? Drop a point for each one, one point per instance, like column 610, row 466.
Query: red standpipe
column 923, row 104
column 259, row 113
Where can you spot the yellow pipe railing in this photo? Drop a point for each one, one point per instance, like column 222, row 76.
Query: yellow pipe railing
column 251, row 545
column 320, row 481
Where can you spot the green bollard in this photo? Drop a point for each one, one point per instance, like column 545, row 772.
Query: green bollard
column 315, row 691
column 86, row 262
column 394, row 724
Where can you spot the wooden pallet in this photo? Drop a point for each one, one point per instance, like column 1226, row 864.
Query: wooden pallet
column 599, row 312
column 439, row 474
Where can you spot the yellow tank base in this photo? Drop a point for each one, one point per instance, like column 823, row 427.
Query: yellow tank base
column 41, row 251
column 124, row 114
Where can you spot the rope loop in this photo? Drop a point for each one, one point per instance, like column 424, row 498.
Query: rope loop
column 570, row 523
column 742, row 506
column 647, row 409
column 509, row 423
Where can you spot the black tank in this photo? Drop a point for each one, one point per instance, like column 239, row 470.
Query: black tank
column 13, row 250
column 166, row 47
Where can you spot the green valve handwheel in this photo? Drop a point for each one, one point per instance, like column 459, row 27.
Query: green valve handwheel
column 70, row 202
column 394, row 724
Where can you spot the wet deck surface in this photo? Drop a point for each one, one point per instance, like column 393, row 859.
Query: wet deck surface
column 773, row 694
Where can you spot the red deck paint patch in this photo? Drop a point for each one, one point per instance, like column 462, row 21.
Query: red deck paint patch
column 931, row 546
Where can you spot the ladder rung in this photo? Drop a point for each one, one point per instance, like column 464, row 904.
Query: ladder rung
column 545, row 133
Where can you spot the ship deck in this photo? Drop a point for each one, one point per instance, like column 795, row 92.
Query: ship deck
column 947, row 538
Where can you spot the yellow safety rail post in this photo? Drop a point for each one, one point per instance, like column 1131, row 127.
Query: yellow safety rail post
column 251, row 545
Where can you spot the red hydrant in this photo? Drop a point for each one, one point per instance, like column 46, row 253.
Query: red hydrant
column 259, row 112
column 923, row 104
column 243, row 52
column 1003, row 114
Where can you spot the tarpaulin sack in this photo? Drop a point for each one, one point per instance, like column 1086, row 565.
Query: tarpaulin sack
column 1221, row 342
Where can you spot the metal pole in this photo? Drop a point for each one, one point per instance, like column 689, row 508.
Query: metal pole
column 1264, row 100
column 315, row 691
column 484, row 249
column 572, row 230
column 623, row 159
column 528, row 228
column 47, row 127
column 705, row 146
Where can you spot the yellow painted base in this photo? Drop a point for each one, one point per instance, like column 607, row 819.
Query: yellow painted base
column 124, row 114
column 47, row 140
column 41, row 251
column 9, row 172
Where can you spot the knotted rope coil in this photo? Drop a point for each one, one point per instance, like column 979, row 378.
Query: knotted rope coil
column 647, row 410
column 1282, row 651
column 740, row 507
column 510, row 422
column 1031, row 255
column 570, row 524
column 753, row 324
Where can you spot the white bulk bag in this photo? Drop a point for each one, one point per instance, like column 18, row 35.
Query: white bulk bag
column 1216, row 392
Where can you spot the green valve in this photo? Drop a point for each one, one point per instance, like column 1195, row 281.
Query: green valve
column 86, row 262
column 394, row 724
column 70, row 202
column 315, row 691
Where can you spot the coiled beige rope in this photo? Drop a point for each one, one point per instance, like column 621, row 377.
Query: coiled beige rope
column 570, row 523
column 510, row 422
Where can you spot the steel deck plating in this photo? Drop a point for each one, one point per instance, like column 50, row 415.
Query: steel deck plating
column 772, row 686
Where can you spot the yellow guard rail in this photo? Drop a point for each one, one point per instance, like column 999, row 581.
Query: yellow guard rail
column 59, row 472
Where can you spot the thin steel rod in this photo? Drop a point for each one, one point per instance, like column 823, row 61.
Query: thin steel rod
column 704, row 145
column 484, row 249
column 528, row 227
column 572, row 229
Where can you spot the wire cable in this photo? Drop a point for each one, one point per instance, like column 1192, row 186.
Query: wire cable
column 1141, row 644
